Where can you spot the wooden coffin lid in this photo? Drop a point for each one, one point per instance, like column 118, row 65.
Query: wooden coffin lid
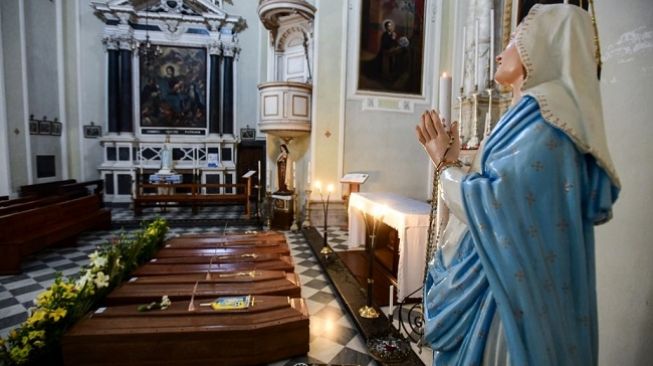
column 282, row 263
column 126, row 319
column 137, row 292
column 168, row 252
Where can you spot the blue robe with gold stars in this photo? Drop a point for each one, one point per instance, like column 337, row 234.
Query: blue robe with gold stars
column 528, row 253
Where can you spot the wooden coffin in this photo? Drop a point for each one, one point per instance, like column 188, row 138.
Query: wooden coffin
column 274, row 328
column 170, row 252
column 248, row 256
column 143, row 290
column 271, row 262
column 214, row 241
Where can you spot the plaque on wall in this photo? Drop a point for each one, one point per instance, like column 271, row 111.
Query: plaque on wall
column 173, row 90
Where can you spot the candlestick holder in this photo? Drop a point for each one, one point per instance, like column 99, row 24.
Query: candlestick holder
column 473, row 141
column 268, row 219
column 488, row 120
column 295, row 221
column 307, row 208
column 368, row 311
column 461, row 122
column 326, row 250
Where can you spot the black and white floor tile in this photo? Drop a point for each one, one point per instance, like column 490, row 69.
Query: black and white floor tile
column 333, row 336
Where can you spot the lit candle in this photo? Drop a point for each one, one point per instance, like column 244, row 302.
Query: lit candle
column 379, row 211
column 476, row 63
column 330, row 188
column 445, row 98
column 294, row 176
column 318, row 186
column 491, row 76
column 308, row 175
column 259, row 172
column 462, row 56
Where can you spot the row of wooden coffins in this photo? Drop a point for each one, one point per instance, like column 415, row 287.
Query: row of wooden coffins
column 234, row 300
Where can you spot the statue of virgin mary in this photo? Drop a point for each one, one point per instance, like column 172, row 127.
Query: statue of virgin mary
column 513, row 279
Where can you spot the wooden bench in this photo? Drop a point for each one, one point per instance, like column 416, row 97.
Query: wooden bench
column 16, row 201
column 28, row 231
column 195, row 195
column 43, row 189
column 28, row 205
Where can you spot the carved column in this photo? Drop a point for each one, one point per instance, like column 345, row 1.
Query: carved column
column 215, row 53
column 126, row 122
column 113, row 83
column 228, row 51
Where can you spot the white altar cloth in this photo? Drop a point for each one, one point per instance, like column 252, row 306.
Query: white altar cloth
column 411, row 220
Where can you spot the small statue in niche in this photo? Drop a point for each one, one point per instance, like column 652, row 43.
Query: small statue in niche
column 283, row 169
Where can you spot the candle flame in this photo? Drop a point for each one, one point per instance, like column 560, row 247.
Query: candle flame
column 379, row 211
column 444, row 74
column 330, row 188
column 318, row 186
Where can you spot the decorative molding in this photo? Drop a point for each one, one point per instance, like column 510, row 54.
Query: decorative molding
column 215, row 48
column 230, row 49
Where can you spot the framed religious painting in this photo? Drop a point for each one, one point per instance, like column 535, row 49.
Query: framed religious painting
column 391, row 49
column 173, row 88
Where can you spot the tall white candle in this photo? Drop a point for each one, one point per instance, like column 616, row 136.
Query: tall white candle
column 259, row 172
column 267, row 179
column 308, row 175
column 294, row 177
column 476, row 60
column 491, row 73
column 444, row 104
column 462, row 57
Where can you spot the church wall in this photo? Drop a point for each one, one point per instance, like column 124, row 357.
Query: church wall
column 247, row 69
column 42, row 83
column 623, row 246
column 328, row 93
column 5, row 174
column 92, row 87
column 16, row 93
column 380, row 129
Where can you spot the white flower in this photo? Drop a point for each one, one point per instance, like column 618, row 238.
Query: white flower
column 83, row 280
column 101, row 280
column 97, row 260
column 165, row 302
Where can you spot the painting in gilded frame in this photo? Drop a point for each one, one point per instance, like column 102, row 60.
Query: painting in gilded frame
column 173, row 88
column 391, row 46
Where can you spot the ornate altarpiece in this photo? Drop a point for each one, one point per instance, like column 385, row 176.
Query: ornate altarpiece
column 186, row 93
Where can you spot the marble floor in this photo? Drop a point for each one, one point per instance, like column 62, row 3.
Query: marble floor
column 333, row 336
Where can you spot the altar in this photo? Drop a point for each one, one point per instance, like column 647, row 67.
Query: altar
column 411, row 220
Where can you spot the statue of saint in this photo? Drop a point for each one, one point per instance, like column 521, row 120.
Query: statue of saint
column 166, row 158
column 512, row 281
column 283, row 169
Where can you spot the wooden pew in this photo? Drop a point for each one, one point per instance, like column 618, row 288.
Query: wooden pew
column 195, row 195
column 274, row 328
column 143, row 290
column 43, row 189
column 16, row 201
column 28, row 231
column 28, row 205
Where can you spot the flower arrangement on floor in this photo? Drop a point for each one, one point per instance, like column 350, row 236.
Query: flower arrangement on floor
column 37, row 340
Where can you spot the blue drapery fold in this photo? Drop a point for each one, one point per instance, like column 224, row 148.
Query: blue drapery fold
column 529, row 251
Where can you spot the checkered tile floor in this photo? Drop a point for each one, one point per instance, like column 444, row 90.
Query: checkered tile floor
column 333, row 336
column 224, row 212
